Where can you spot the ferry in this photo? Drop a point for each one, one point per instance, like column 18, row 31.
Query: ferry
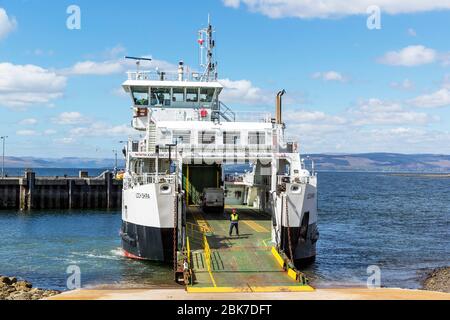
column 188, row 139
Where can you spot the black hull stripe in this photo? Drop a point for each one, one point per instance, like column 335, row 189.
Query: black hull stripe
column 149, row 243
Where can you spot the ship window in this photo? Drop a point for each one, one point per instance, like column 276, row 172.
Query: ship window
column 192, row 95
column 181, row 137
column 160, row 97
column 207, row 137
column 206, row 94
column 231, row 137
column 178, row 95
column 140, row 96
column 256, row 137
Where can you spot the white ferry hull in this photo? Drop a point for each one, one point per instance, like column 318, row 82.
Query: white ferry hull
column 148, row 222
column 299, row 222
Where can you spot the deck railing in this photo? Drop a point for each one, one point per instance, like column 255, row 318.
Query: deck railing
column 148, row 178
column 169, row 76
column 282, row 179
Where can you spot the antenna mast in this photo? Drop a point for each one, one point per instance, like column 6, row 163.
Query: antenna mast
column 138, row 61
column 205, row 37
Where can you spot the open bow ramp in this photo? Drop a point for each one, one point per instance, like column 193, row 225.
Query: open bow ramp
column 246, row 263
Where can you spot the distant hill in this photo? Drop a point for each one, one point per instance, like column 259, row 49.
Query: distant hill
column 69, row 162
column 385, row 162
column 393, row 162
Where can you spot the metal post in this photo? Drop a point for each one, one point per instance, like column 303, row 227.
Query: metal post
column 115, row 163
column 3, row 156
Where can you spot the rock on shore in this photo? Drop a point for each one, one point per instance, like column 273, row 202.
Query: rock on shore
column 438, row 280
column 12, row 289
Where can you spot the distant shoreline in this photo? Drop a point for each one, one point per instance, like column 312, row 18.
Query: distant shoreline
column 427, row 175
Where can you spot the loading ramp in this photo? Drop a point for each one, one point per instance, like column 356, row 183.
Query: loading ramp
column 247, row 263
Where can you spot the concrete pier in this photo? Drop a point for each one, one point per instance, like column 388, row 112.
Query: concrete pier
column 31, row 192
column 319, row 294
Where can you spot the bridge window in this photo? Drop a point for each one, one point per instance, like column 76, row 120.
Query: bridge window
column 182, row 136
column 231, row 137
column 206, row 94
column 160, row 97
column 207, row 137
column 178, row 95
column 192, row 95
column 140, row 96
column 256, row 137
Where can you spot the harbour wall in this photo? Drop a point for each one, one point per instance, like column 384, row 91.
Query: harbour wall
column 34, row 193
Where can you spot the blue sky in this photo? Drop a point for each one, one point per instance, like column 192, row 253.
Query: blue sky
column 350, row 89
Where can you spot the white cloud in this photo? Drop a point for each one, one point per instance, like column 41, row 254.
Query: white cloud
column 70, row 118
column 440, row 98
column 96, row 68
column 306, row 116
column 404, row 85
column 329, row 76
column 25, row 85
column 116, row 66
column 28, row 122
column 306, row 9
column 82, row 126
column 379, row 112
column 232, row 3
column 244, row 92
column 409, row 56
column 7, row 24
column 115, row 52
column 26, row 133
column 102, row 129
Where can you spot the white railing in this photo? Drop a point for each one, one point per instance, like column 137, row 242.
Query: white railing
column 281, row 179
column 168, row 76
column 252, row 116
column 211, row 148
column 135, row 180
column 226, row 150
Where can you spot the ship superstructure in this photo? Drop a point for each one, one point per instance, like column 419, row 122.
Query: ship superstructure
column 188, row 137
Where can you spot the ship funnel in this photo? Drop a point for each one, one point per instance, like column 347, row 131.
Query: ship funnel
column 180, row 70
column 278, row 118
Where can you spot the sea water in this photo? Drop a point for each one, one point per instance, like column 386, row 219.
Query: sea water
column 401, row 224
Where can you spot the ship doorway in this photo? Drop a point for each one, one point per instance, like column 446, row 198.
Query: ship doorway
column 198, row 177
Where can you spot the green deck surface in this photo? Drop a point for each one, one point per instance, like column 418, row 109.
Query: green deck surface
column 244, row 261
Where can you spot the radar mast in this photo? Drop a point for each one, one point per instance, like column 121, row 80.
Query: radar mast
column 207, row 44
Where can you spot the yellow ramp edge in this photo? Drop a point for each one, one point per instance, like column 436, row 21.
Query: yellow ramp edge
column 217, row 289
column 292, row 274
column 305, row 288
column 277, row 256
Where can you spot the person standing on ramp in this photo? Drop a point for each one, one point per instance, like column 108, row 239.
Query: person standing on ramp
column 234, row 222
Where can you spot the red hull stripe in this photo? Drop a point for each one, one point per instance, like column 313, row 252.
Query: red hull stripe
column 131, row 256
